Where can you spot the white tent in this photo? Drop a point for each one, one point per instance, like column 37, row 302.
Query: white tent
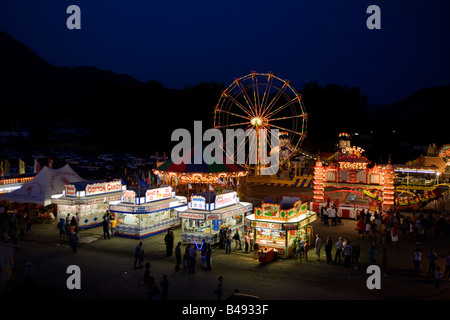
column 46, row 183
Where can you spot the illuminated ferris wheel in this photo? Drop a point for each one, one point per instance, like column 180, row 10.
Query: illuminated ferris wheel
column 263, row 101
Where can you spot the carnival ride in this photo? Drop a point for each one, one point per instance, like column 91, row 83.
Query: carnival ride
column 261, row 101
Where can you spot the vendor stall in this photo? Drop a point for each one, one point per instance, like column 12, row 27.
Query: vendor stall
column 275, row 229
column 207, row 212
column 88, row 199
column 142, row 213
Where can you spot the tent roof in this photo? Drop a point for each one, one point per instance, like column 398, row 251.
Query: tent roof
column 44, row 185
column 187, row 164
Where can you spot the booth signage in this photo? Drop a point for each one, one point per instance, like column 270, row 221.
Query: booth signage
column 266, row 225
column 189, row 215
column 290, row 226
column 158, row 194
column 129, row 196
column 225, row 199
column 70, row 190
column 105, row 187
column 270, row 210
column 198, row 202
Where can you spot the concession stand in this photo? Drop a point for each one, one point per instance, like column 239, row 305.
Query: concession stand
column 144, row 212
column 88, row 199
column 275, row 229
column 207, row 212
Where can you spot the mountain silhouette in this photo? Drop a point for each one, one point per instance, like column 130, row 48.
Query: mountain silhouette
column 120, row 111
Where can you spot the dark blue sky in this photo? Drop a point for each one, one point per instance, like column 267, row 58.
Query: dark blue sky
column 186, row 42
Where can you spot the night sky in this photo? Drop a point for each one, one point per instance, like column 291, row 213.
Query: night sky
column 180, row 43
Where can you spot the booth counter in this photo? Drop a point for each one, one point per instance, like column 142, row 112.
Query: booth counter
column 88, row 199
column 141, row 217
column 208, row 212
column 276, row 229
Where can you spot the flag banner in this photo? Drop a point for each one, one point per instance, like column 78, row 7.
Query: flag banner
column 21, row 166
column 189, row 186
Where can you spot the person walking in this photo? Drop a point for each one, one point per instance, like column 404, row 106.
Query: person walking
column 328, row 249
column 137, row 254
column 318, row 246
column 417, row 260
column 339, row 245
column 178, row 256
column 432, row 256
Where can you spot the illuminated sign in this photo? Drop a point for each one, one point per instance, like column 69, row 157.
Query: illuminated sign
column 266, row 225
column 357, row 151
column 158, row 194
column 198, row 202
column 70, row 190
column 225, row 199
column 128, row 196
column 105, row 187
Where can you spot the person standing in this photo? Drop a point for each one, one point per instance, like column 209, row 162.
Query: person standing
column 178, row 256
column 360, row 226
column 373, row 255
column 74, row 241
column 192, row 258
column 417, row 260
column 113, row 227
column 137, row 254
column 447, row 266
column 339, row 246
column 228, row 243
column 333, row 216
column 432, row 256
column 237, row 240
column 328, row 249
column 437, row 280
column 62, row 228
column 164, row 288
column 356, row 251
column 326, row 215
column 208, row 256
column 247, row 242
column 105, row 225
column 318, row 246
column 168, row 240
column 219, row 289
column 347, row 254
column 384, row 262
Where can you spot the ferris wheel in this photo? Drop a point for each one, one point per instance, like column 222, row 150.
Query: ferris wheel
column 263, row 101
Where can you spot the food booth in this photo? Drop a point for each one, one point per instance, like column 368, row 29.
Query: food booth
column 88, row 199
column 207, row 212
column 144, row 212
column 275, row 229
